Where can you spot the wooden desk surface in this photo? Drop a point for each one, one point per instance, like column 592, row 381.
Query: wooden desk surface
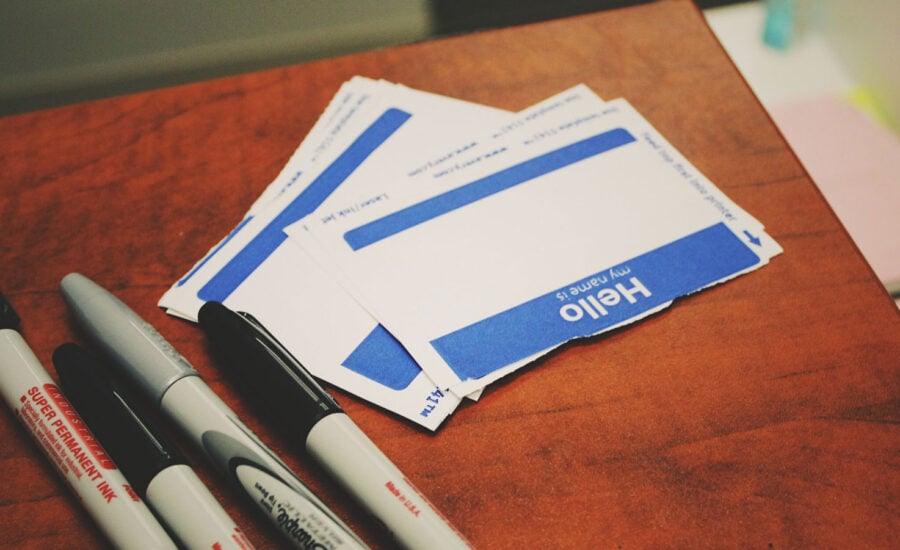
column 762, row 413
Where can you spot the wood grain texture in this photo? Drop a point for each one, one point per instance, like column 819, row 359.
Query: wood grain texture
column 760, row 413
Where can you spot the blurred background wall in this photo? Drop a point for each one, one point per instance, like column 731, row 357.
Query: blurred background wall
column 54, row 52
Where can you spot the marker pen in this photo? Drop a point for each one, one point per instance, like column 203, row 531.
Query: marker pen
column 155, row 468
column 50, row 419
column 296, row 401
column 168, row 379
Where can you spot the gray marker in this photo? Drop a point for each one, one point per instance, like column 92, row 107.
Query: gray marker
column 168, row 379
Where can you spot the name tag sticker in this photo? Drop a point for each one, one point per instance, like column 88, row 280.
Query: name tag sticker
column 416, row 248
column 466, row 268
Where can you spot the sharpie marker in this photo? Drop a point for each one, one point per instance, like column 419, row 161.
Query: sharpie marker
column 40, row 405
column 294, row 398
column 155, row 468
column 168, row 379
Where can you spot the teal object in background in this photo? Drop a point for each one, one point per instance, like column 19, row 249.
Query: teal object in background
column 779, row 23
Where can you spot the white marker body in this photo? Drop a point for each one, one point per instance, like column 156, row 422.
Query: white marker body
column 53, row 423
column 246, row 461
column 190, row 511
column 341, row 448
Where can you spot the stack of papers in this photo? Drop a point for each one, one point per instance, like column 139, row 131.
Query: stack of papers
column 416, row 248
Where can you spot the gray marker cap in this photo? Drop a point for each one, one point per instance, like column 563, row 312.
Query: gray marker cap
column 132, row 343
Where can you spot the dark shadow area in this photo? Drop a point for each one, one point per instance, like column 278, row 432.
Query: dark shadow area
column 461, row 16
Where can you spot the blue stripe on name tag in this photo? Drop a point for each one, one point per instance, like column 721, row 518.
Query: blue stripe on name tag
column 245, row 262
column 593, row 304
column 439, row 205
column 381, row 358
column 214, row 251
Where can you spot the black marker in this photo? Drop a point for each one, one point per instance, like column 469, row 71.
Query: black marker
column 293, row 397
column 167, row 379
column 156, row 470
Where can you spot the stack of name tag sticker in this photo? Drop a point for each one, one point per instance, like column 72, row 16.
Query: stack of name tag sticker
column 416, row 248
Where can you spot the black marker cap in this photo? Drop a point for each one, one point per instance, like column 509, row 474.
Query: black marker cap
column 8, row 317
column 273, row 377
column 134, row 445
